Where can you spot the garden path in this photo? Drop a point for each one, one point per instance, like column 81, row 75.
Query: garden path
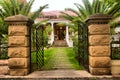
column 59, row 59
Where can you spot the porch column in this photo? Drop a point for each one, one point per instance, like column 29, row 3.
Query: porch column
column 99, row 44
column 19, row 45
column 52, row 34
column 67, row 35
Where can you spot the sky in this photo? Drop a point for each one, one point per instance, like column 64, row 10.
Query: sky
column 55, row 4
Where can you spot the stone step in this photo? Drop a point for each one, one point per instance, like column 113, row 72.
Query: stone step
column 60, row 43
column 60, row 75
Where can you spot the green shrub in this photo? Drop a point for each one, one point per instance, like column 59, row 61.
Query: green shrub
column 75, row 47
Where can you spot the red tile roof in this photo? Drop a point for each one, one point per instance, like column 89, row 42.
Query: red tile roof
column 54, row 15
column 57, row 13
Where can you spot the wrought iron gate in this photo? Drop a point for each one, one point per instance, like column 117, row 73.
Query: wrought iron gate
column 3, row 49
column 115, row 45
column 83, row 46
column 37, row 47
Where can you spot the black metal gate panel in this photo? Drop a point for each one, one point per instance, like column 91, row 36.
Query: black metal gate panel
column 37, row 48
column 115, row 46
column 83, row 46
column 3, row 49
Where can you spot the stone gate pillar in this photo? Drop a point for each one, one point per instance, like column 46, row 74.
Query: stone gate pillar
column 19, row 45
column 99, row 44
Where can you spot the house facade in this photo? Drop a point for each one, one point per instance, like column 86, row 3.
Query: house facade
column 59, row 35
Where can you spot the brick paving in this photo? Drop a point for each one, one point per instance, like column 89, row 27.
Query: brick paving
column 60, row 75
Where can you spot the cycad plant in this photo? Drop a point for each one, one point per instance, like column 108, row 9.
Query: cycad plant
column 13, row 7
column 88, row 8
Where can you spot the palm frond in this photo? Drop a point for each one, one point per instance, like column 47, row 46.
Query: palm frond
column 29, row 5
column 88, row 6
column 81, row 10
column 66, row 16
column 36, row 13
column 6, row 7
column 74, row 11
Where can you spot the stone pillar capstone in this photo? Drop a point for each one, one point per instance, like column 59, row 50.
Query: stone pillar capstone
column 19, row 44
column 99, row 44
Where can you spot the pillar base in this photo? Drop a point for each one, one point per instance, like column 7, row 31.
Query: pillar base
column 99, row 71
column 19, row 72
column 115, row 67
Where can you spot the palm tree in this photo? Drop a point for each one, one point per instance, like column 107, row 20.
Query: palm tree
column 88, row 8
column 14, row 7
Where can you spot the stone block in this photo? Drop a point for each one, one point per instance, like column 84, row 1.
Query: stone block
column 99, row 29
column 19, row 72
column 18, row 41
column 99, row 62
column 115, row 70
column 4, row 70
column 99, row 71
column 99, row 40
column 16, row 63
column 115, row 67
column 99, row 51
column 115, row 62
column 18, row 52
column 19, row 30
column 3, row 62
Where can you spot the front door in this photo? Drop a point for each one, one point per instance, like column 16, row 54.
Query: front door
column 60, row 32
column 61, row 35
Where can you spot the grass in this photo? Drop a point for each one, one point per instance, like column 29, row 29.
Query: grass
column 48, row 53
column 47, row 56
column 33, row 57
column 73, row 61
